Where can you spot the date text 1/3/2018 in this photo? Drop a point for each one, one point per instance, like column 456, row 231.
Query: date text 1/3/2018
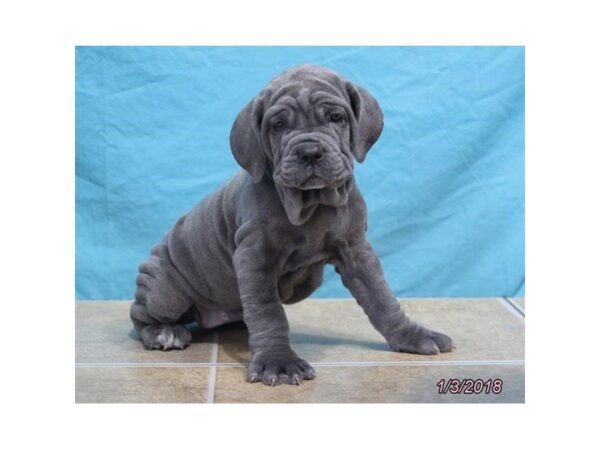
column 469, row 386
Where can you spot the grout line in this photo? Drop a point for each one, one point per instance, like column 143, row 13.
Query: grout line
column 317, row 299
column 214, row 365
column 212, row 376
column 515, row 305
column 507, row 362
column 159, row 364
column 513, row 308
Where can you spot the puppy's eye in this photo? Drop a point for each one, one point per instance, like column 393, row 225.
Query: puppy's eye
column 278, row 125
column 336, row 117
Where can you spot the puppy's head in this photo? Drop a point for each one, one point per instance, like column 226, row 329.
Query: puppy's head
column 305, row 128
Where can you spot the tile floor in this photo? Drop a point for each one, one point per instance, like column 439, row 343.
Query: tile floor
column 353, row 362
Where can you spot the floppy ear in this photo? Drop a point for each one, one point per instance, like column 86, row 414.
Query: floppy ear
column 244, row 140
column 369, row 121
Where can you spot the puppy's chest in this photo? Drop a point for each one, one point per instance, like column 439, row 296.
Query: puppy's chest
column 319, row 243
column 310, row 253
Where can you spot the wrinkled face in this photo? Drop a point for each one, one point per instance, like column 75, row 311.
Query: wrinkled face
column 303, row 130
column 308, row 134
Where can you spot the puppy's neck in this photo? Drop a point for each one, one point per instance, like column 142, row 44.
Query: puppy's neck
column 300, row 204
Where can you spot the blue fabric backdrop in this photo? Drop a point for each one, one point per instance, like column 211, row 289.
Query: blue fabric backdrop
column 444, row 184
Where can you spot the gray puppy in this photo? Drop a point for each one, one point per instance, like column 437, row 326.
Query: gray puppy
column 262, row 239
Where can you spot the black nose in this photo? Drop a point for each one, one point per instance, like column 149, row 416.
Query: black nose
column 311, row 152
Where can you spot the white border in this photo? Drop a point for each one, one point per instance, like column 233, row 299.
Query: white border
column 38, row 220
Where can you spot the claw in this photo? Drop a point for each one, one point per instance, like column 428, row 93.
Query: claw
column 252, row 379
column 297, row 380
column 273, row 380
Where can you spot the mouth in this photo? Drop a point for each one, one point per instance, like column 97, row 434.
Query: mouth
column 330, row 174
column 300, row 202
column 313, row 182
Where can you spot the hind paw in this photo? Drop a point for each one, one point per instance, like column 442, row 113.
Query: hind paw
column 165, row 337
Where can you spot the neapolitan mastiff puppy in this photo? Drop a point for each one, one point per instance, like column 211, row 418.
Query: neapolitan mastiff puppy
column 263, row 238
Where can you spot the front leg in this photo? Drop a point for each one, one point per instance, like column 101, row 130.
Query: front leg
column 273, row 360
column 362, row 274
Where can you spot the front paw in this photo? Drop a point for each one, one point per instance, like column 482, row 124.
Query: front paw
column 276, row 366
column 414, row 338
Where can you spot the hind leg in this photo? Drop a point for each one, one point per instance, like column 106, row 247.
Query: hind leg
column 161, row 304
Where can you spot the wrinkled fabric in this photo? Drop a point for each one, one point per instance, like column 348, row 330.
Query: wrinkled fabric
column 443, row 185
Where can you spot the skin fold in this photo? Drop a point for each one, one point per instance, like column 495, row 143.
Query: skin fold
column 263, row 238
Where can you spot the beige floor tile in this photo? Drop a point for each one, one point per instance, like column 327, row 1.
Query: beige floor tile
column 338, row 331
column 384, row 384
column 104, row 334
column 140, row 385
